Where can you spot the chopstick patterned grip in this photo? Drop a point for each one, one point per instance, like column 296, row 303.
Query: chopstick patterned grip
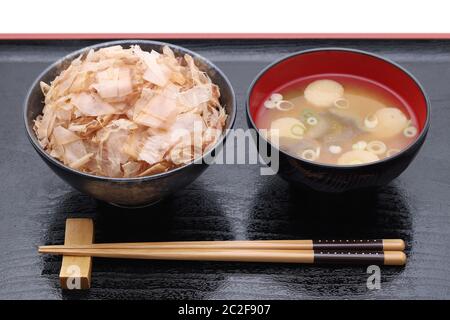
column 372, row 245
column 360, row 257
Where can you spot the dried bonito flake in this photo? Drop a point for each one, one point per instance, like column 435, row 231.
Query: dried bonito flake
column 120, row 112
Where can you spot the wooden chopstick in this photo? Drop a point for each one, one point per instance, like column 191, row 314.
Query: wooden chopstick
column 241, row 255
column 363, row 245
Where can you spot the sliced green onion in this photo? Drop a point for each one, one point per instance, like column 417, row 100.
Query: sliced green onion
column 312, row 121
column 276, row 97
column 360, row 145
column 284, row 105
column 298, row 129
column 371, row 121
column 307, row 113
column 376, row 147
column 269, row 104
column 342, row 103
column 335, row 149
column 410, row 132
column 309, row 154
column 391, row 152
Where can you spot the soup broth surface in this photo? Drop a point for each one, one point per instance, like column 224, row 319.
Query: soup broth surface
column 337, row 120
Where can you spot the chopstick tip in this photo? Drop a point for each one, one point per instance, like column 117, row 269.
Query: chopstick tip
column 394, row 258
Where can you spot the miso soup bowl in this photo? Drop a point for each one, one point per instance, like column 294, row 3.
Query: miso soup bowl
column 334, row 178
column 127, row 192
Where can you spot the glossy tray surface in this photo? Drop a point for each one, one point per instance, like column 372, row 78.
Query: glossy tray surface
column 231, row 202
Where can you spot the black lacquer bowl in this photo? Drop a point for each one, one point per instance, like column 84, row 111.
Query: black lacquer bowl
column 311, row 63
column 128, row 192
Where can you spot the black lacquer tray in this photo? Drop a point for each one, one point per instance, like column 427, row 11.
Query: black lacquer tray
column 231, row 202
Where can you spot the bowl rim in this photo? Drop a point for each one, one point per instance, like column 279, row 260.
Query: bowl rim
column 419, row 138
column 72, row 55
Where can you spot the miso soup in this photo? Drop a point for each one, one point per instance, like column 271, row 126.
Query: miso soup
column 337, row 120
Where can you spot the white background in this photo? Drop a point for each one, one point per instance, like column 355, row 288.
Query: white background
column 227, row 16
